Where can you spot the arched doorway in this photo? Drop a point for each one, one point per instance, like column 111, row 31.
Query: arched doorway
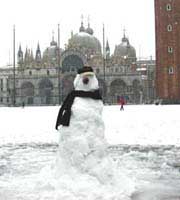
column 27, row 93
column 117, row 88
column 45, row 91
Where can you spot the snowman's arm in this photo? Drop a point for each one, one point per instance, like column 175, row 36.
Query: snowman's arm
column 65, row 110
column 61, row 112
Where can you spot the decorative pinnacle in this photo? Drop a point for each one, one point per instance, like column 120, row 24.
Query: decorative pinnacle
column 53, row 35
column 88, row 20
column 124, row 32
column 82, row 18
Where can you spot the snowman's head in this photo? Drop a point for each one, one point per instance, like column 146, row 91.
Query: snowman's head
column 86, row 80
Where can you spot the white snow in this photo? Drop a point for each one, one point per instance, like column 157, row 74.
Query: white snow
column 143, row 124
column 137, row 124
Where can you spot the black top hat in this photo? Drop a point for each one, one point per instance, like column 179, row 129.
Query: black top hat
column 86, row 70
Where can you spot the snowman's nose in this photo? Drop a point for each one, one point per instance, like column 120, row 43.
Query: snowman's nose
column 85, row 80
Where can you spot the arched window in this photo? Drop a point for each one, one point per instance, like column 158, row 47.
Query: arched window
column 168, row 7
column 27, row 89
column 169, row 28
column 171, row 70
column 45, row 91
column 170, row 49
column 72, row 63
column 27, row 92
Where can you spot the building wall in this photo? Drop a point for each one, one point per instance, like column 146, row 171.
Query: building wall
column 37, row 87
column 167, row 22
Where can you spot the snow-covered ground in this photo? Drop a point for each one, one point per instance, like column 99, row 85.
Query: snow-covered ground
column 140, row 124
column 143, row 124
column 144, row 141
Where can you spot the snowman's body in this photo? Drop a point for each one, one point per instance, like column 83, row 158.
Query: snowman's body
column 82, row 145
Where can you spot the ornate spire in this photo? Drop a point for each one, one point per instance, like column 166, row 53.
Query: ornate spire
column 124, row 32
column 20, row 51
column 38, row 54
column 52, row 35
column 72, row 34
column 107, row 46
column 20, row 55
column 26, row 53
column 125, row 39
column 107, row 50
column 27, row 57
column 89, row 30
column 31, row 55
column 88, row 21
column 53, row 43
column 82, row 29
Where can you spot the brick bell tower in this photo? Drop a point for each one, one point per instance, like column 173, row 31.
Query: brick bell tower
column 167, row 27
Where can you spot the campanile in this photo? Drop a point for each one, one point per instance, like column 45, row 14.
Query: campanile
column 167, row 27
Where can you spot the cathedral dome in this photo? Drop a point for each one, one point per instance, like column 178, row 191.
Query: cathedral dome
column 125, row 49
column 51, row 53
column 85, row 42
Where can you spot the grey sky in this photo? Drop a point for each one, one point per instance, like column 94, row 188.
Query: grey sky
column 36, row 19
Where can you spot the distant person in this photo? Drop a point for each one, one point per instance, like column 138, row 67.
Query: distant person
column 122, row 102
column 23, row 104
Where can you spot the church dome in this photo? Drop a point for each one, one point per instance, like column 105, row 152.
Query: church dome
column 85, row 42
column 125, row 49
column 51, row 53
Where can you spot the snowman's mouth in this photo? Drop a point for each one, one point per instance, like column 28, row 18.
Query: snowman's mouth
column 85, row 80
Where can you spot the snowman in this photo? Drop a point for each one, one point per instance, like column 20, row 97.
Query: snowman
column 82, row 145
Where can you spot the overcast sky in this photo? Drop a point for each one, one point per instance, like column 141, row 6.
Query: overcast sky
column 35, row 20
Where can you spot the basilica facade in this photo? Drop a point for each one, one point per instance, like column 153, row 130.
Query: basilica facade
column 45, row 78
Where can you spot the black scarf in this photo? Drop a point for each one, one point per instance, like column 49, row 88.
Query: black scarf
column 65, row 110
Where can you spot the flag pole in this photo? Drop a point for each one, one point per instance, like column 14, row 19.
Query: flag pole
column 104, row 64
column 59, row 87
column 104, row 54
column 14, row 70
